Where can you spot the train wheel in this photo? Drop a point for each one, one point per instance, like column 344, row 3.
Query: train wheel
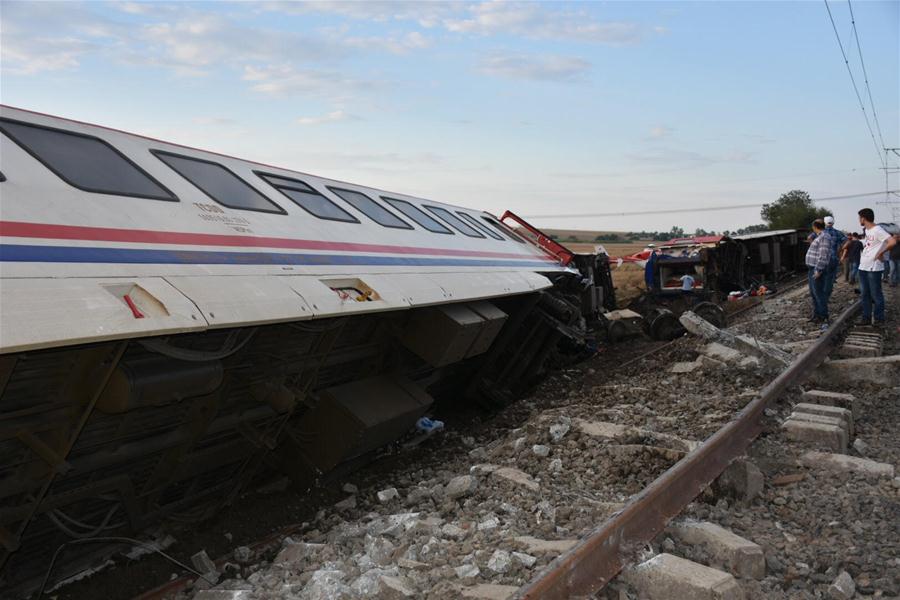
column 664, row 325
column 712, row 313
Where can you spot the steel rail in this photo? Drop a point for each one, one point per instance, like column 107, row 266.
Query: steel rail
column 587, row 567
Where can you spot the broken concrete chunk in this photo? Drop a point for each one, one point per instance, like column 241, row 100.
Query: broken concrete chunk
column 500, row 561
column 842, row 462
column 461, row 486
column 741, row 480
column 537, row 546
column 559, row 431
column 722, row 353
column 346, row 504
column 526, row 560
column 602, row 429
column 685, row 367
column 292, row 554
column 387, row 495
column 541, row 450
column 467, row 571
column 517, row 477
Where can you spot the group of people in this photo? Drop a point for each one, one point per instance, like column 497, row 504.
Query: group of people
column 867, row 257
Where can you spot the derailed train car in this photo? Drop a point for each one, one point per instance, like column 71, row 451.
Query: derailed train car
column 717, row 265
column 174, row 323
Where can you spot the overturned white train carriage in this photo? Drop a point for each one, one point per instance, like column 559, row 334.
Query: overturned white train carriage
column 175, row 323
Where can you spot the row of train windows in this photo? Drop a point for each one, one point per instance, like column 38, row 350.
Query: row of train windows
column 91, row 164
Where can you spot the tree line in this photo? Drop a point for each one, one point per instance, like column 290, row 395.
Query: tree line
column 792, row 210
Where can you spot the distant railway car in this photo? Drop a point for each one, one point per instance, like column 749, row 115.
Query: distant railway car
column 716, row 266
column 175, row 322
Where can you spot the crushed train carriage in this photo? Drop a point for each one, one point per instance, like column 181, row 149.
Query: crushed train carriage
column 175, row 323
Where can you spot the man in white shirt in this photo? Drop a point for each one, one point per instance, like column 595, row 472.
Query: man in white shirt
column 878, row 242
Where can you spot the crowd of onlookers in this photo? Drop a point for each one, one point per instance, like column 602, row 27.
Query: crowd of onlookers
column 868, row 258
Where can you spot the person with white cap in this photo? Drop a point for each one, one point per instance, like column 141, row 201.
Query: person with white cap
column 837, row 242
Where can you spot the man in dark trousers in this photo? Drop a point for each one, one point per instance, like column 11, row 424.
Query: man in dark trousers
column 877, row 246
column 820, row 260
column 852, row 252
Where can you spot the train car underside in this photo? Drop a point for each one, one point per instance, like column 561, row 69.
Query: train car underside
column 112, row 438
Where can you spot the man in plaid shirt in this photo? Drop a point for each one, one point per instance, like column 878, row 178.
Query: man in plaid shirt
column 820, row 259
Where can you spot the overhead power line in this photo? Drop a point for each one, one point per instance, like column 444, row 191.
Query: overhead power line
column 667, row 211
column 862, row 63
column 862, row 105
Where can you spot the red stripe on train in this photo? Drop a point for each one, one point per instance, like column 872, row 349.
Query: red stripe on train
column 147, row 236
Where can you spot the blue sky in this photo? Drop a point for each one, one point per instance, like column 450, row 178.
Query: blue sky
column 542, row 108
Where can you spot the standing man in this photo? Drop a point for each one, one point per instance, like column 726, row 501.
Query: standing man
column 853, row 252
column 837, row 241
column 871, row 267
column 819, row 260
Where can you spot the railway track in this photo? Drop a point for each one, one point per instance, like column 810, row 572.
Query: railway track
column 580, row 482
column 589, row 566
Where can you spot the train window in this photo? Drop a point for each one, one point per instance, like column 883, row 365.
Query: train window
column 85, row 162
column 307, row 198
column 454, row 221
column 471, row 220
column 218, row 183
column 371, row 209
column 503, row 229
column 408, row 209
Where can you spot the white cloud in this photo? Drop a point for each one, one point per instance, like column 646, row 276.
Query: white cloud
column 537, row 68
column 393, row 44
column 287, row 80
column 525, row 19
column 532, row 20
column 659, row 132
column 331, row 117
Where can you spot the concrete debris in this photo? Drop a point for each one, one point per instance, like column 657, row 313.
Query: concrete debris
column 517, row 477
column 556, row 465
column 685, row 367
column 526, row 560
column 326, row 584
column 349, row 488
column 379, row 550
column 559, row 431
column 537, row 546
column 500, row 561
column 467, row 571
column 297, row 554
column 205, row 565
column 741, row 480
column 346, row 504
column 461, row 486
column 860, row 446
column 541, row 450
column 387, row 495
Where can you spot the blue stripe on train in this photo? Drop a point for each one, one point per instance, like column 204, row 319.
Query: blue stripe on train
column 82, row 254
